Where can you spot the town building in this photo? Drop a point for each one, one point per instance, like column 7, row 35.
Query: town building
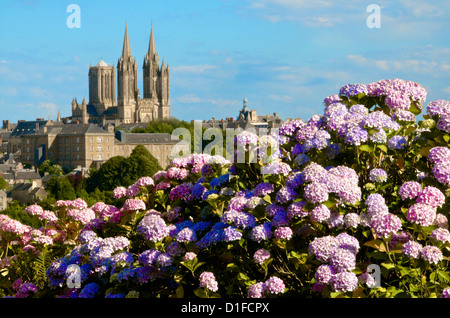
column 247, row 119
column 73, row 145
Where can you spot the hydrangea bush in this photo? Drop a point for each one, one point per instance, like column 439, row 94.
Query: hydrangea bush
column 364, row 184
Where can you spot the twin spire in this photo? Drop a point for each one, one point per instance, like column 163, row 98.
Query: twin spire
column 126, row 51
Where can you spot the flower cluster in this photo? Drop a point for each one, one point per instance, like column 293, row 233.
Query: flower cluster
column 272, row 286
column 440, row 157
column 338, row 181
column 338, row 255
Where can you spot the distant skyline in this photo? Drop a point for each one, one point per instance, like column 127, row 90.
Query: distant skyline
column 284, row 56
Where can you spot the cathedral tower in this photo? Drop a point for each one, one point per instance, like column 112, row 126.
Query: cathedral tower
column 126, row 83
column 156, row 80
column 102, row 86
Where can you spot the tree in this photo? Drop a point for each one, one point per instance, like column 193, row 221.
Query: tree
column 60, row 188
column 51, row 168
column 3, row 183
column 123, row 171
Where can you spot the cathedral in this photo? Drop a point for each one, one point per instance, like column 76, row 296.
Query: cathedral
column 123, row 103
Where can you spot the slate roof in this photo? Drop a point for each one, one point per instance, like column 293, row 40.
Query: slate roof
column 27, row 127
column 27, row 175
column 80, row 129
column 150, row 138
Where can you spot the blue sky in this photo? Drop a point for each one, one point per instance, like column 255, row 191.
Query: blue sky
column 284, row 56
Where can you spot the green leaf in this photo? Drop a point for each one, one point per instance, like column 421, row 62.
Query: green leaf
column 366, row 148
column 414, row 109
column 383, row 148
column 200, row 292
column 446, row 137
column 376, row 244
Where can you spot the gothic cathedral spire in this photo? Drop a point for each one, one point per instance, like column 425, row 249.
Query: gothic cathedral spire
column 151, row 68
column 126, row 51
column 127, row 82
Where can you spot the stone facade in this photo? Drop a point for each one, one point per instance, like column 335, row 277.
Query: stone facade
column 125, row 105
column 84, row 145
column 160, row 145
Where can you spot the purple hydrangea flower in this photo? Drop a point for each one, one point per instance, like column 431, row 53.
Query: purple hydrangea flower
column 352, row 220
column 412, row 249
column 208, row 280
column 422, row 214
column 444, row 123
column 398, row 100
column 261, row 255
column 231, row 233
column 286, row 194
column 316, row 192
column 441, row 172
column 410, row 190
column 89, row 291
column 342, row 260
column 256, row 290
column 356, row 136
column 431, row 196
column 445, row 293
column 274, row 285
column 261, row 232
column 344, row 281
column 432, row 254
column 153, row 227
column 320, row 213
column 385, row 224
column 323, row 247
column 351, row 90
column 403, row 115
column 378, row 175
column 283, row 233
column 440, row 234
column 438, row 107
column 296, row 209
column 263, row 189
column 186, row 235
column 324, row 274
column 439, row 154
column 397, row 142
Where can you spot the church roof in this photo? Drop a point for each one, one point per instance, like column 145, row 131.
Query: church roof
column 102, row 63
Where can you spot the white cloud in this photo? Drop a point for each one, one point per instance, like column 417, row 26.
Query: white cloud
column 446, row 90
column 193, row 69
column 193, row 99
column 281, row 98
column 409, row 65
column 48, row 108
column 40, row 93
column 8, row 91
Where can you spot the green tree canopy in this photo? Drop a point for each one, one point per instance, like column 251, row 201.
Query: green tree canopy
column 3, row 183
column 60, row 188
column 51, row 168
column 123, row 171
